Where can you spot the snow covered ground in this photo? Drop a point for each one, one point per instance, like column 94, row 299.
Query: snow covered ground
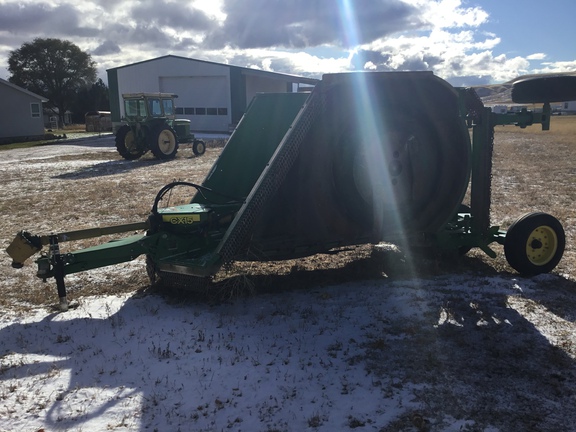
column 455, row 353
column 462, row 352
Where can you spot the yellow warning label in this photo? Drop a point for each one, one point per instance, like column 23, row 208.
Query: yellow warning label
column 182, row 219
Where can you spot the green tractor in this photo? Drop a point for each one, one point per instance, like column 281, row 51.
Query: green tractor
column 151, row 124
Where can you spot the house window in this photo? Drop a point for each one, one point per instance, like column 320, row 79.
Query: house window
column 35, row 110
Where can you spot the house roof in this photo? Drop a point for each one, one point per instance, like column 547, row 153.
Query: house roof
column 245, row 71
column 23, row 90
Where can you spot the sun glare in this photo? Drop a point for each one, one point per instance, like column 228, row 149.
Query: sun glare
column 372, row 165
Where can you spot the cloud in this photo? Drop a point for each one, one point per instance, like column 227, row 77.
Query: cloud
column 449, row 14
column 557, row 67
column 40, row 19
column 536, row 56
column 139, row 35
column 108, row 47
column 376, row 60
column 304, row 37
column 294, row 63
column 310, row 23
column 171, row 15
column 449, row 43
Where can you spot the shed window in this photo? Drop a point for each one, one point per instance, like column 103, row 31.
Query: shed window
column 212, row 111
column 189, row 111
column 222, row 111
column 35, row 110
column 200, row 111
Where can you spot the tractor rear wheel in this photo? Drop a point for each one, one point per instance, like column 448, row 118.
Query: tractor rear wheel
column 198, row 147
column 163, row 142
column 126, row 144
column 534, row 244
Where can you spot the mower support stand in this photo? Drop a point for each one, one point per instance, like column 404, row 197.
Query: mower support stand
column 58, row 268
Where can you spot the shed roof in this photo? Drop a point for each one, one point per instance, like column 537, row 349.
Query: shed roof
column 245, row 71
column 23, row 90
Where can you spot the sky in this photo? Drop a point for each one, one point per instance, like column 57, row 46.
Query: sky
column 466, row 42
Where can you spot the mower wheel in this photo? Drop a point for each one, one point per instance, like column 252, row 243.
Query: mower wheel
column 163, row 142
column 534, row 244
column 126, row 144
column 198, row 147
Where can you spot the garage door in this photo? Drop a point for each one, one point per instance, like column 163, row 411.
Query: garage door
column 202, row 100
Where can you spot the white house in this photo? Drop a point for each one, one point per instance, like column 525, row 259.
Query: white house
column 21, row 114
column 213, row 96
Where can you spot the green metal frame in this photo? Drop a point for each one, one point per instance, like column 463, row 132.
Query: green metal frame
column 250, row 147
column 473, row 229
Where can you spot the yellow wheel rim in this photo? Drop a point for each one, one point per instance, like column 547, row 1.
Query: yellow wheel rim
column 166, row 142
column 541, row 245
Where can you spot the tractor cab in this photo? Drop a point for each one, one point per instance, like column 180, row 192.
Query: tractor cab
column 147, row 106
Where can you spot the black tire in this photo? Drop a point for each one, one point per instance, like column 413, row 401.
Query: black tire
column 199, row 147
column 544, row 89
column 164, row 142
column 126, row 144
column 534, row 244
column 412, row 177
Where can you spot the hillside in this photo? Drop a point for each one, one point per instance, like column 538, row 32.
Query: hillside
column 494, row 94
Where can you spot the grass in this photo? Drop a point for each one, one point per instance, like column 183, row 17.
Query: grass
column 50, row 137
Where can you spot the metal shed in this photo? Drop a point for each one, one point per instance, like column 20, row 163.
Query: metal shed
column 213, row 96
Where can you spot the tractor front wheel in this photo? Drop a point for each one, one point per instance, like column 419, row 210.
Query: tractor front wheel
column 534, row 244
column 198, row 147
column 164, row 143
column 126, row 144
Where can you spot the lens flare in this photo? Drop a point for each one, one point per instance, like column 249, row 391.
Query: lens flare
column 381, row 167
column 382, row 164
